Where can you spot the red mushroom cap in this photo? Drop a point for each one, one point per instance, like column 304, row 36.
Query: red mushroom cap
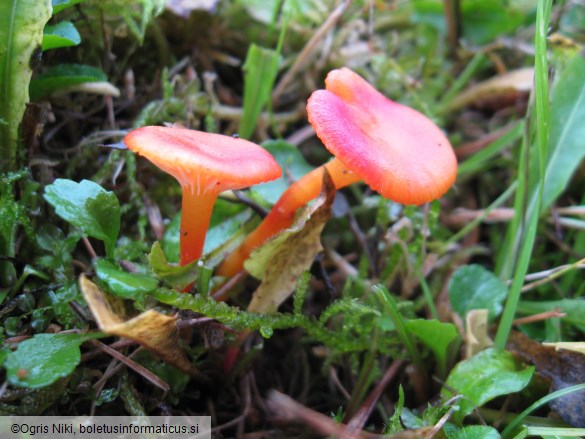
column 204, row 161
column 398, row 152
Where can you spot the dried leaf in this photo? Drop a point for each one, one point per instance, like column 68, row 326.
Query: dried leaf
column 565, row 368
column 476, row 332
column 574, row 346
column 280, row 262
column 153, row 330
column 502, row 87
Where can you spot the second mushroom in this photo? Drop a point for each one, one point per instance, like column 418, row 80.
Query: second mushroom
column 396, row 150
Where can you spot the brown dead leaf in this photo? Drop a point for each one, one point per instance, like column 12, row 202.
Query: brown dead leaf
column 508, row 86
column 564, row 368
column 155, row 331
column 280, row 262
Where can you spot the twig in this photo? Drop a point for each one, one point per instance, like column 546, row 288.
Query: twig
column 540, row 317
column 362, row 241
column 358, row 421
column 89, row 248
column 223, row 290
column 304, row 56
column 120, row 344
column 301, row 135
column 141, row 370
column 441, row 422
column 249, row 203
column 335, row 379
column 228, row 113
column 288, row 409
column 339, row 261
column 546, row 276
column 453, row 19
column 324, row 275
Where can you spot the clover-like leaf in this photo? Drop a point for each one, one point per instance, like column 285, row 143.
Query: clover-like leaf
column 489, row 374
column 473, row 287
column 45, row 358
column 88, row 206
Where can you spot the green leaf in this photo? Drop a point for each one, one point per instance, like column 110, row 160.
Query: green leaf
column 63, row 76
column 45, row 358
column 483, row 20
column 171, row 241
column 260, row 70
column 223, row 227
column 488, row 19
column 122, row 283
column 21, row 33
column 567, row 130
column 473, row 287
column 487, row 375
column 293, row 165
column 63, row 34
column 175, row 275
column 59, row 249
column 88, row 206
column 439, row 337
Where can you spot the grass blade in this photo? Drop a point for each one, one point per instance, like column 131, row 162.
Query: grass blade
column 542, row 138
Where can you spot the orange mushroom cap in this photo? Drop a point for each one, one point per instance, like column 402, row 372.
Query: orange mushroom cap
column 205, row 164
column 398, row 152
column 204, row 161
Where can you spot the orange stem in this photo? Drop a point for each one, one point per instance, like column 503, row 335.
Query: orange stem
column 283, row 212
column 195, row 217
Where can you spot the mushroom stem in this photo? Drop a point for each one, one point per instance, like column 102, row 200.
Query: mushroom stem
column 283, row 212
column 195, row 218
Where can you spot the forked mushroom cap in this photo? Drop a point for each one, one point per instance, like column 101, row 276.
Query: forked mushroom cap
column 204, row 161
column 397, row 151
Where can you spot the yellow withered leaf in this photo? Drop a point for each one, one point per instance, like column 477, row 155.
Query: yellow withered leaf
column 281, row 261
column 575, row 346
column 155, row 331
column 476, row 332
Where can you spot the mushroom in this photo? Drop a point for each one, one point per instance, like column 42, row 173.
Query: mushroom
column 396, row 150
column 205, row 165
